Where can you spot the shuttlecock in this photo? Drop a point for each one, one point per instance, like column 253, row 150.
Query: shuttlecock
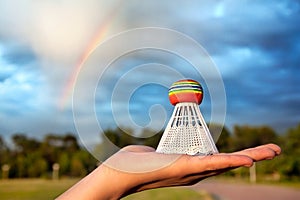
column 186, row 132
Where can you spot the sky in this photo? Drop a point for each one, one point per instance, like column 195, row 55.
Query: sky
column 85, row 66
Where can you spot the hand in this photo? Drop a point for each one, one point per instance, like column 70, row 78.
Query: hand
column 137, row 168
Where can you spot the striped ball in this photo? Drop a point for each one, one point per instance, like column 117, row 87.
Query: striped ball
column 186, row 90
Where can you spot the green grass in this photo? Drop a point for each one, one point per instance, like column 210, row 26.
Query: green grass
column 28, row 189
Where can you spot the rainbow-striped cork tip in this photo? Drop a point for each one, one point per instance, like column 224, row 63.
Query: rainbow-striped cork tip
column 186, row 90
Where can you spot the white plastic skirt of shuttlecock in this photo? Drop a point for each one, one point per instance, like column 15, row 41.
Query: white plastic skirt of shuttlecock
column 187, row 133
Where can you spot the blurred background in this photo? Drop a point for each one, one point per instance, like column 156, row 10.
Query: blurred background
column 255, row 45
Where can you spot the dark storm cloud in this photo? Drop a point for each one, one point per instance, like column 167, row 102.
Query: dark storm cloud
column 14, row 58
column 264, row 25
column 222, row 25
column 268, row 95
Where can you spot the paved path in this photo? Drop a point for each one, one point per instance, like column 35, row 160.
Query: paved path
column 237, row 191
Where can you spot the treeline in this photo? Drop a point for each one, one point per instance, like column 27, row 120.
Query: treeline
column 29, row 157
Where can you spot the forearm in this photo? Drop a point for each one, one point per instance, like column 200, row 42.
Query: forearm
column 102, row 183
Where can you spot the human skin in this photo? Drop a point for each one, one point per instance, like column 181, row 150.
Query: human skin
column 128, row 171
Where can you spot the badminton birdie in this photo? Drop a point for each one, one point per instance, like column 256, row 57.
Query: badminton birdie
column 186, row 132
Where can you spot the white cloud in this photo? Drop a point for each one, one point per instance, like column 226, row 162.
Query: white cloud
column 56, row 31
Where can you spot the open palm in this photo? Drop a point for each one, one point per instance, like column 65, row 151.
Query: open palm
column 136, row 168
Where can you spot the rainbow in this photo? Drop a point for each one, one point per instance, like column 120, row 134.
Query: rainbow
column 100, row 35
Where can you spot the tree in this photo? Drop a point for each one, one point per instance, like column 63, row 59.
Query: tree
column 21, row 166
column 64, row 163
column 292, row 142
column 108, row 146
column 25, row 145
column 3, row 146
column 4, row 152
column 150, row 138
column 37, row 168
column 77, row 167
column 246, row 136
column 70, row 143
column 291, row 151
column 224, row 142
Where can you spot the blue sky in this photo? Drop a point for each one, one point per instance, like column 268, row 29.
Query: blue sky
column 255, row 45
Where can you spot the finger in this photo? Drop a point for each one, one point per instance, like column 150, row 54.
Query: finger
column 263, row 152
column 217, row 162
column 222, row 161
column 275, row 147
